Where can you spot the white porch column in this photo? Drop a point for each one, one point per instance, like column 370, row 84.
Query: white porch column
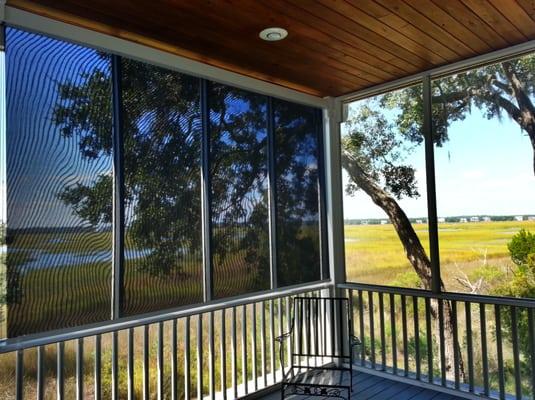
column 335, row 217
column 333, row 188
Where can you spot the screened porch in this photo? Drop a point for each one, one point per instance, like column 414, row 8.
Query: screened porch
column 173, row 175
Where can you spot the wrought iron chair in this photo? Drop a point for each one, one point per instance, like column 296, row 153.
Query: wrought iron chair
column 320, row 365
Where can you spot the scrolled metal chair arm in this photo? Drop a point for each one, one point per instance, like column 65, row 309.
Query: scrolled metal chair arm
column 283, row 337
column 281, row 340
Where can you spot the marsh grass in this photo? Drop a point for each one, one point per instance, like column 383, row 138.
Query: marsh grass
column 74, row 295
column 375, row 255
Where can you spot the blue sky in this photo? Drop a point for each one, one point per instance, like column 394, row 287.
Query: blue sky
column 485, row 168
column 39, row 162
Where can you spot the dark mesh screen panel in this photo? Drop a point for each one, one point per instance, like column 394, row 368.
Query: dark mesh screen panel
column 239, row 196
column 162, row 156
column 59, row 192
column 298, row 221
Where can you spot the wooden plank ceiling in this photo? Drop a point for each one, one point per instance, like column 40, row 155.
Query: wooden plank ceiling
column 333, row 47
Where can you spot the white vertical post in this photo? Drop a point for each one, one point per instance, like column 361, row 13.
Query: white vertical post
column 335, row 218
column 333, row 187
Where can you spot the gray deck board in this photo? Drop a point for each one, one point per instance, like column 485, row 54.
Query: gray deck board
column 372, row 387
column 396, row 390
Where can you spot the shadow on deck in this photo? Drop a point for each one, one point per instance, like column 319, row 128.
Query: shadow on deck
column 371, row 387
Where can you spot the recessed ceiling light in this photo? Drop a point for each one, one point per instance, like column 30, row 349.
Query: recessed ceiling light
column 273, row 34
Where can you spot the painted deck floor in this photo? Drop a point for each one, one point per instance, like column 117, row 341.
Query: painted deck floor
column 371, row 387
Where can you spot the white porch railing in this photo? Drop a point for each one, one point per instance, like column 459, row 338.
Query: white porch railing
column 220, row 350
column 491, row 336
column 227, row 349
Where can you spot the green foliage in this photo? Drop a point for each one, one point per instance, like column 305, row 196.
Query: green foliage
column 162, row 195
column 162, row 158
column 489, row 89
column 522, row 284
column 407, row 279
column 489, row 273
column 521, row 247
column 161, row 129
column 422, row 346
column 490, row 276
column 409, row 119
column 380, row 147
column 92, row 204
column 10, row 287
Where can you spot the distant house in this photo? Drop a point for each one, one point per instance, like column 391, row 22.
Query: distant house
column 486, row 219
column 441, row 220
column 474, row 219
column 463, row 220
column 364, row 222
column 383, row 222
column 519, row 218
column 419, row 221
column 531, row 218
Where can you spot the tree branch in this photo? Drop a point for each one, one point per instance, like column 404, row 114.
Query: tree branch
column 522, row 98
column 509, row 107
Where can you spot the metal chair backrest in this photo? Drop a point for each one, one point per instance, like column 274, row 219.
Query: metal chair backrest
column 321, row 328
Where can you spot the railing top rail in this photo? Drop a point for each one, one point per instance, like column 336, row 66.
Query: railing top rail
column 321, row 298
column 45, row 338
column 451, row 296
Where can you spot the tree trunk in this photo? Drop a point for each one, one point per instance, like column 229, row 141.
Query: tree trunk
column 524, row 115
column 415, row 253
column 529, row 126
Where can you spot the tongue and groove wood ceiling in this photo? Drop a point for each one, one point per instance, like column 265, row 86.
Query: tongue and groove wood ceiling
column 333, row 47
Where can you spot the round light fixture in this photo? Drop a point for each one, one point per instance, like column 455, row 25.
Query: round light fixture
column 273, row 34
